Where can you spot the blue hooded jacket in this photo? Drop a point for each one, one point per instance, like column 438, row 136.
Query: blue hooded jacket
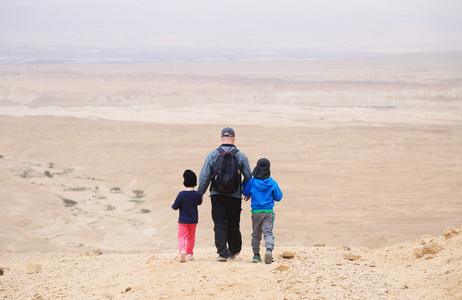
column 263, row 192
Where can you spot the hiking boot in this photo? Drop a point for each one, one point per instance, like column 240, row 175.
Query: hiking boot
column 256, row 258
column 189, row 257
column 183, row 256
column 222, row 259
column 268, row 257
column 233, row 255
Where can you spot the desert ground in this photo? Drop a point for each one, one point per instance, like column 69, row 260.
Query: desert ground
column 366, row 151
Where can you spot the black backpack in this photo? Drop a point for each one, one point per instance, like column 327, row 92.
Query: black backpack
column 226, row 176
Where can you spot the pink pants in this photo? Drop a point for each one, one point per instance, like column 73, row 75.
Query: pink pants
column 186, row 237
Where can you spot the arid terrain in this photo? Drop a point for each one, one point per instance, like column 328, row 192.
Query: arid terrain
column 368, row 154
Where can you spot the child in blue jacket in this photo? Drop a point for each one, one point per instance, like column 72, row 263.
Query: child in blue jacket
column 264, row 190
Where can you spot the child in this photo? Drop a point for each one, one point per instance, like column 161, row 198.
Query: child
column 187, row 201
column 264, row 190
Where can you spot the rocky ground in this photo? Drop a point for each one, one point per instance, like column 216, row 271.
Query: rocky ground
column 429, row 267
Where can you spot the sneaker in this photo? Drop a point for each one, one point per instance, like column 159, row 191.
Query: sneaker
column 256, row 258
column 183, row 256
column 222, row 259
column 268, row 257
column 189, row 257
column 233, row 255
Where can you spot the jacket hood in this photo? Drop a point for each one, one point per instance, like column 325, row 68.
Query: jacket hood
column 263, row 185
column 262, row 170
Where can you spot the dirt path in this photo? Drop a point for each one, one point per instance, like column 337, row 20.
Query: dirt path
column 429, row 267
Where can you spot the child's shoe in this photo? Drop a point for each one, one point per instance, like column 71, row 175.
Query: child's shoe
column 268, row 257
column 256, row 258
column 189, row 257
column 183, row 256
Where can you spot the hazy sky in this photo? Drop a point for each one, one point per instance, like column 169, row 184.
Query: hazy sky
column 368, row 25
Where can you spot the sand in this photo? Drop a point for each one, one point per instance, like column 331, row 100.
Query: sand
column 393, row 272
column 367, row 153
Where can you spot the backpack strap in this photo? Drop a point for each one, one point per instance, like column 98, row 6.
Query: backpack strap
column 221, row 151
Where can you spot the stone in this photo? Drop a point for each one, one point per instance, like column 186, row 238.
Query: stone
column 150, row 259
column 128, row 289
column 351, row 256
column 319, row 245
column 110, row 207
column 281, row 268
column 451, row 232
column 431, row 248
column 33, row 268
column 1, row 272
column 97, row 252
column 426, row 239
column 288, row 254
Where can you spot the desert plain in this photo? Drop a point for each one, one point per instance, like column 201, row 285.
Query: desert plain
column 367, row 151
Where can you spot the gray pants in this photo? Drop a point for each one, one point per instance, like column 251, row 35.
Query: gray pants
column 262, row 223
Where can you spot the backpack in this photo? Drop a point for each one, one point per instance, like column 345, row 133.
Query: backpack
column 226, row 176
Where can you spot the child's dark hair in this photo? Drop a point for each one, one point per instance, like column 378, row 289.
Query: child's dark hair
column 190, row 179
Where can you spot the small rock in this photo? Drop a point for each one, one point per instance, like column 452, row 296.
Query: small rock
column 426, row 239
column 150, row 259
column 33, row 268
column 128, row 289
column 288, row 254
column 351, row 256
column 430, row 248
column 372, row 264
column 451, row 232
column 1, row 272
column 319, row 245
column 97, row 252
column 110, row 207
column 281, row 268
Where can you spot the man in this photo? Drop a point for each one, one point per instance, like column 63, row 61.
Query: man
column 226, row 207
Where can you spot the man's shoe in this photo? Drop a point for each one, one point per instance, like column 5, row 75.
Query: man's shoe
column 256, row 258
column 233, row 255
column 222, row 259
column 268, row 257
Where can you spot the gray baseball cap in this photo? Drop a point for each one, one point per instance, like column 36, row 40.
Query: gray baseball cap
column 228, row 131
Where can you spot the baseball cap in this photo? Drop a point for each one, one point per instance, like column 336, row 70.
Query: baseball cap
column 228, row 131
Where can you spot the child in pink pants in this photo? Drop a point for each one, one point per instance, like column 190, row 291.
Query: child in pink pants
column 187, row 202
